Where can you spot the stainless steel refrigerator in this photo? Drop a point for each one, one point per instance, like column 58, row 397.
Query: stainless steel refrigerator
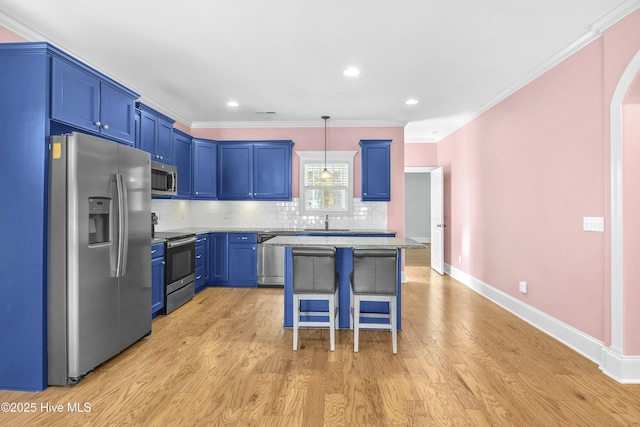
column 99, row 278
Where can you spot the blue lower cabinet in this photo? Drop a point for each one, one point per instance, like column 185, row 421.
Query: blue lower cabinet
column 235, row 260
column 157, row 279
column 219, row 260
column 202, row 262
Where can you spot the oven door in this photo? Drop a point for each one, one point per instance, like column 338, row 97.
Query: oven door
column 180, row 258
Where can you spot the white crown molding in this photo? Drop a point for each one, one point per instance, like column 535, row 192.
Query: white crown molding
column 421, row 140
column 595, row 31
column 296, row 124
column 20, row 29
column 419, row 169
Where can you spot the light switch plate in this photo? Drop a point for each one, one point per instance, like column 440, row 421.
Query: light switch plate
column 593, row 223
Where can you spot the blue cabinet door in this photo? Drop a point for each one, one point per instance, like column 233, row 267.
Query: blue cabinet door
column 83, row 100
column 157, row 277
column 376, row 170
column 117, row 114
column 204, row 172
column 183, row 159
column 156, row 134
column 218, row 267
column 272, row 171
column 75, row 96
column 235, row 171
column 164, row 144
column 243, row 264
column 148, row 134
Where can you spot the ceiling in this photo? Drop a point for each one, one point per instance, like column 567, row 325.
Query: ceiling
column 282, row 61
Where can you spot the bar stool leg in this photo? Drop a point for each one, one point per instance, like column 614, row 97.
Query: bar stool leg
column 332, row 321
column 356, row 322
column 394, row 325
column 296, row 319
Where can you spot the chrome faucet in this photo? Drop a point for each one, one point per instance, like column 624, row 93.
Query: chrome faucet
column 326, row 222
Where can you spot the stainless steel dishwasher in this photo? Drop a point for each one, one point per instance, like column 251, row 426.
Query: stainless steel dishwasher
column 270, row 262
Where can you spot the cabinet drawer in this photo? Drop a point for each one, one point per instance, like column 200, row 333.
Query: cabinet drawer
column 157, row 250
column 243, row 238
column 199, row 255
column 199, row 273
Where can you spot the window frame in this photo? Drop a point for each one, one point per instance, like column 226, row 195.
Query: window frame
column 333, row 157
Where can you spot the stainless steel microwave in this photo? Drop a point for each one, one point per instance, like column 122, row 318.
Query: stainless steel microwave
column 164, row 179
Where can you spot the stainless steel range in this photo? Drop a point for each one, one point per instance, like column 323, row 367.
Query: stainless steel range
column 179, row 269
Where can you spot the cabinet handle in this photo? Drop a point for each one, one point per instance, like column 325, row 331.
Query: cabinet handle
column 98, row 123
column 199, row 277
column 243, row 238
column 162, row 157
column 198, row 256
column 197, row 193
column 163, row 263
column 205, row 239
column 105, row 127
column 153, row 251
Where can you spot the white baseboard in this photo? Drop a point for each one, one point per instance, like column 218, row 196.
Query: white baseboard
column 624, row 369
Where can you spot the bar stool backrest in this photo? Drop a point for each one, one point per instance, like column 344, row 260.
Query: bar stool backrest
column 314, row 269
column 375, row 271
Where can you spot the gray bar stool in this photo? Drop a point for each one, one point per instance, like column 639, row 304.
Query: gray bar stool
column 375, row 278
column 314, row 278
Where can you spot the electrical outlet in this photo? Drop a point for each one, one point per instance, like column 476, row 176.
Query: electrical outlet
column 593, row 223
column 522, row 286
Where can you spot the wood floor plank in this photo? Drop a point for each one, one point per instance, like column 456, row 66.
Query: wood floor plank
column 224, row 359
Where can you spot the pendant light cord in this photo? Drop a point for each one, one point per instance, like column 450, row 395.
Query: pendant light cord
column 325, row 141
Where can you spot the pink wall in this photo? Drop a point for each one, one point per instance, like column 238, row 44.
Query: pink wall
column 338, row 139
column 420, row 155
column 519, row 179
column 7, row 36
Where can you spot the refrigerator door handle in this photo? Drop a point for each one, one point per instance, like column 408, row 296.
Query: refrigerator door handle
column 125, row 226
column 121, row 224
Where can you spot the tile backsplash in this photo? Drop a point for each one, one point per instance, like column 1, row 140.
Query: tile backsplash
column 175, row 214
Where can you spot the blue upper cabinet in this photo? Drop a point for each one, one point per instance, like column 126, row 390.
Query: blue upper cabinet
column 87, row 101
column 235, row 171
column 156, row 134
column 183, row 160
column 376, row 170
column 204, row 170
column 257, row 170
column 272, row 171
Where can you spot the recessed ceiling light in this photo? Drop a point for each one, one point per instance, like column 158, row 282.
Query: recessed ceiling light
column 232, row 104
column 351, row 72
column 411, row 101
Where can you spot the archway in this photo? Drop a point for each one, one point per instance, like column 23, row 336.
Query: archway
column 625, row 369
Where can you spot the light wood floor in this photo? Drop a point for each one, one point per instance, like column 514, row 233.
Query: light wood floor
column 224, row 359
column 418, row 257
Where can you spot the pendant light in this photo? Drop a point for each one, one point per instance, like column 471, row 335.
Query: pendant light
column 325, row 173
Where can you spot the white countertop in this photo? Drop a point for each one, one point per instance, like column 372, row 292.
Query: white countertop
column 346, row 242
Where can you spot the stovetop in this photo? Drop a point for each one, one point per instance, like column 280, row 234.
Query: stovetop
column 172, row 236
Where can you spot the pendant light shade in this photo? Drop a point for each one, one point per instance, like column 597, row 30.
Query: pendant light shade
column 325, row 173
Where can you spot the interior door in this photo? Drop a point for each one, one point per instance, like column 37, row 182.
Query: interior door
column 437, row 220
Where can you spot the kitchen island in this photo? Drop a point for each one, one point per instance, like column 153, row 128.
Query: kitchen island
column 344, row 266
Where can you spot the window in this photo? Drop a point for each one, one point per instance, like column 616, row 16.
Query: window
column 333, row 195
